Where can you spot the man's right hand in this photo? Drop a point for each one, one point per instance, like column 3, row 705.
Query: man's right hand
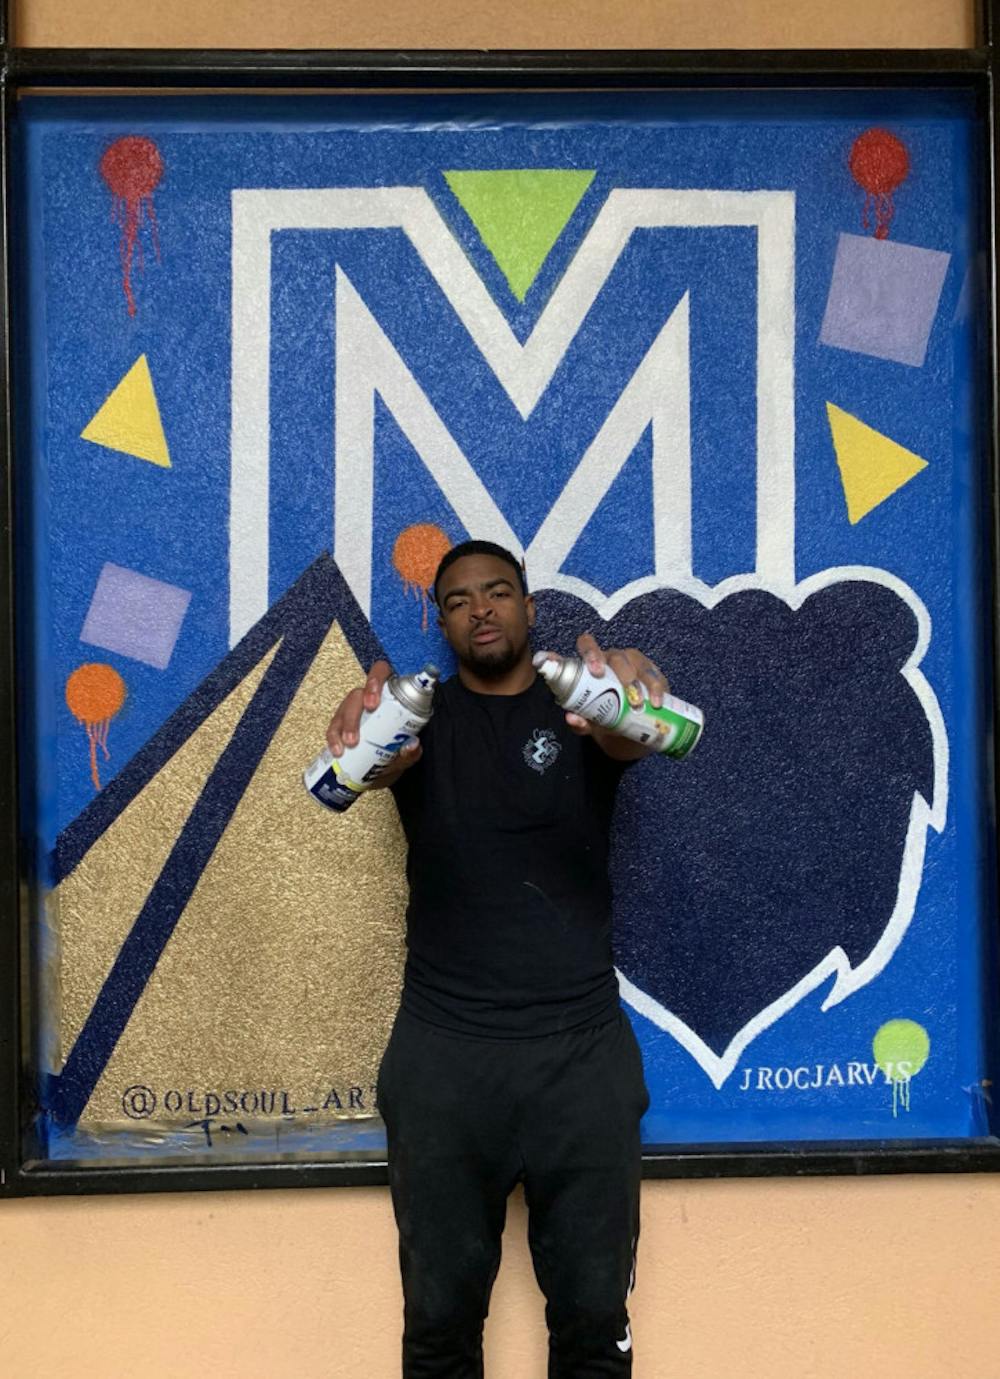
column 343, row 730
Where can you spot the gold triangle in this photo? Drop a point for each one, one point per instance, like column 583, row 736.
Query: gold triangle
column 872, row 467
column 284, row 969
column 95, row 906
column 129, row 420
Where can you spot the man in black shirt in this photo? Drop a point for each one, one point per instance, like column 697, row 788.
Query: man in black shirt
column 510, row 1059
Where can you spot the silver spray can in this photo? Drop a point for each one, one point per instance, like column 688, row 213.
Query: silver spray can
column 405, row 707
column 673, row 728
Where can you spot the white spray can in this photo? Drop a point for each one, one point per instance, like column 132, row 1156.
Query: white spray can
column 405, row 707
column 674, row 728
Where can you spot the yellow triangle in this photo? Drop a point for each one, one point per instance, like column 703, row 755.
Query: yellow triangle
column 129, row 421
column 872, row 467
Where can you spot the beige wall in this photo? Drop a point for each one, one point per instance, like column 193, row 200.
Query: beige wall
column 487, row 24
column 891, row 1278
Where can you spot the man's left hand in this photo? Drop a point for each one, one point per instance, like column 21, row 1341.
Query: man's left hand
column 633, row 667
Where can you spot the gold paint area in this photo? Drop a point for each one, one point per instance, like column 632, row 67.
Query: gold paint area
column 94, row 908
column 283, row 973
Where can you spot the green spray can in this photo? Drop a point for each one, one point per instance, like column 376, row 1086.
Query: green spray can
column 674, row 728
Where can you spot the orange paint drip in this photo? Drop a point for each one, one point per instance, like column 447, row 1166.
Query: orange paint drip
column 410, row 588
column 94, row 694
column 415, row 557
column 97, row 736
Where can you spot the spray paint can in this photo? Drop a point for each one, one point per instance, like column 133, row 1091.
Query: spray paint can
column 404, row 709
column 674, row 728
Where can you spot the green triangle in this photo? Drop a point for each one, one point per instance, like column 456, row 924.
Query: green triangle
column 519, row 213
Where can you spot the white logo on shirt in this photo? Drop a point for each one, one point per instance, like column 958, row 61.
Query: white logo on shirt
column 626, row 1344
column 541, row 749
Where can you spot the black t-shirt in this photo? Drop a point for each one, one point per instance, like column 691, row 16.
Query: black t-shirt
column 507, row 816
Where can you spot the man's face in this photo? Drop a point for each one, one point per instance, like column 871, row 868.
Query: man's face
column 484, row 616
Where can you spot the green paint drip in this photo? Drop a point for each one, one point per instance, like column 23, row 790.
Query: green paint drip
column 519, row 213
column 901, row 1048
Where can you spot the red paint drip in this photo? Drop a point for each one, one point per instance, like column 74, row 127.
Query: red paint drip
column 879, row 162
column 132, row 168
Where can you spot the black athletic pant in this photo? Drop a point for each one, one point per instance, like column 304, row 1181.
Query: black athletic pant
column 468, row 1118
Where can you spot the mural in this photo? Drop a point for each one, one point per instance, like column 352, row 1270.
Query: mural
column 710, row 364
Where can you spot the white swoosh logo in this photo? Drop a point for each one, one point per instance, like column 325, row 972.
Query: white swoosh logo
column 625, row 1345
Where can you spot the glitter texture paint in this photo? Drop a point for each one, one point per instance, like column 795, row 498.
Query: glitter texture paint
column 274, row 978
column 648, row 343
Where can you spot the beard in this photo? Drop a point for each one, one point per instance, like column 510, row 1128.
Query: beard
column 491, row 662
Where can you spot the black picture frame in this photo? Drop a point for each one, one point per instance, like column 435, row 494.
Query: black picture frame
column 973, row 70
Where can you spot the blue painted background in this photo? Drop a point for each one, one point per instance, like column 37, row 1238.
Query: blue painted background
column 89, row 506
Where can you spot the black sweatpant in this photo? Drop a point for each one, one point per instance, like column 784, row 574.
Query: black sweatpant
column 467, row 1118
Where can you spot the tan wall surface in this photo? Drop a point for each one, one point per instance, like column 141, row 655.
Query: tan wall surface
column 481, row 24
column 877, row 1279
column 891, row 1278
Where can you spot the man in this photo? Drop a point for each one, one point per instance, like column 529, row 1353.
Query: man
column 510, row 1059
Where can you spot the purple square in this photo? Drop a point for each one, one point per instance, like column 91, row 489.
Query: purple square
column 883, row 298
column 136, row 616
